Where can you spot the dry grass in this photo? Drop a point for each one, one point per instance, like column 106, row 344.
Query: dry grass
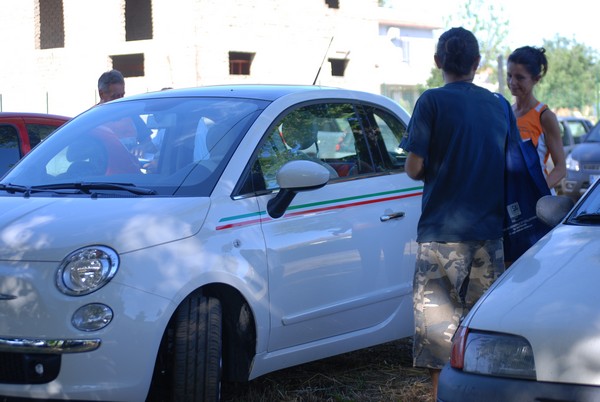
column 381, row 373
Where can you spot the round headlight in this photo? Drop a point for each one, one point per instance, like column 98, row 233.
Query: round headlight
column 86, row 270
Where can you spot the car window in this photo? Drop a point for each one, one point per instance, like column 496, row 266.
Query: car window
column 329, row 134
column 588, row 210
column 578, row 130
column 9, row 147
column 385, row 134
column 564, row 134
column 38, row 132
column 594, row 134
column 174, row 147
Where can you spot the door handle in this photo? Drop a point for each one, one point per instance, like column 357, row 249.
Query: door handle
column 393, row 215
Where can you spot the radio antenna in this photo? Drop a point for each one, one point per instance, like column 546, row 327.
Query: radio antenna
column 323, row 61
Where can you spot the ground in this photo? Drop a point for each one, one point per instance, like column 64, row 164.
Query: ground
column 381, row 373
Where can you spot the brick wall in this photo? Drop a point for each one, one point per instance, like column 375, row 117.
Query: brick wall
column 191, row 44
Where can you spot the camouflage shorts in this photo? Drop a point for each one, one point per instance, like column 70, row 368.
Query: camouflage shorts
column 449, row 278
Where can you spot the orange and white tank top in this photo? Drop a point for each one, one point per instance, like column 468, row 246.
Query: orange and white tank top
column 530, row 127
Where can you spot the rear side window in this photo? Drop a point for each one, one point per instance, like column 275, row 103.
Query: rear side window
column 384, row 133
column 9, row 147
column 578, row 130
column 38, row 132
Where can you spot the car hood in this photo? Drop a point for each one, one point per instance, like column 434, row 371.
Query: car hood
column 550, row 296
column 46, row 229
column 586, row 151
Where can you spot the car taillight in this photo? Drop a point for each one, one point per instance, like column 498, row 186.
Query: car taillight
column 459, row 341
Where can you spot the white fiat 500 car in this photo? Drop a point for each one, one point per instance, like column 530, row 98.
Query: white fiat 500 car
column 535, row 336
column 181, row 239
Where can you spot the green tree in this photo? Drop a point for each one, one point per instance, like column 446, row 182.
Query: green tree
column 572, row 78
column 435, row 79
column 489, row 23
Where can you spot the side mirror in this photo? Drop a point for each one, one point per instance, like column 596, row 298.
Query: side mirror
column 551, row 209
column 293, row 177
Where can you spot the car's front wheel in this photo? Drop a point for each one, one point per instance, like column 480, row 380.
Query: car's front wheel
column 197, row 350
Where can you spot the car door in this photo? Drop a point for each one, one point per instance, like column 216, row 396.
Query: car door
column 341, row 259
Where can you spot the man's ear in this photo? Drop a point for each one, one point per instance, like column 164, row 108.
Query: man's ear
column 437, row 61
column 476, row 63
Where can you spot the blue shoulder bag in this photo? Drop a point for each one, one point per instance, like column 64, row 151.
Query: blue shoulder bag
column 524, row 185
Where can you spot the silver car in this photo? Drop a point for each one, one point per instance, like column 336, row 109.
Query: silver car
column 573, row 131
column 583, row 165
column 535, row 335
column 167, row 243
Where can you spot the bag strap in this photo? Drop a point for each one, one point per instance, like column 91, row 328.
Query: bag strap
column 527, row 151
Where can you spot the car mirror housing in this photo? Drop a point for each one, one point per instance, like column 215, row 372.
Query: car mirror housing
column 293, row 177
column 551, row 209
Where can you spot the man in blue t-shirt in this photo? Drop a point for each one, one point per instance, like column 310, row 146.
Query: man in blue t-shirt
column 456, row 145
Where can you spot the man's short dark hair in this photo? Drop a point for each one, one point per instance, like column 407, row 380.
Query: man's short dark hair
column 108, row 78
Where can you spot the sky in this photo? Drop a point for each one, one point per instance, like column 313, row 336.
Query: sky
column 530, row 22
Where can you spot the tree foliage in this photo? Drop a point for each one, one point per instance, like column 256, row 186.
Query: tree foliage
column 573, row 79
column 489, row 23
column 573, row 75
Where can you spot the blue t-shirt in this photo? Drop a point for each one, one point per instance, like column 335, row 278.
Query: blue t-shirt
column 460, row 130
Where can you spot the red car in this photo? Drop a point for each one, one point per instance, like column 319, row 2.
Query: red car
column 19, row 132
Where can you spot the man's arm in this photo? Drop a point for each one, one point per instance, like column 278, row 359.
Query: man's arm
column 415, row 168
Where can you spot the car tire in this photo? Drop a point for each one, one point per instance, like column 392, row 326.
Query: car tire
column 197, row 347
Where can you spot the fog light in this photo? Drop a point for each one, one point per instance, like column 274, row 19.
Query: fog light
column 92, row 317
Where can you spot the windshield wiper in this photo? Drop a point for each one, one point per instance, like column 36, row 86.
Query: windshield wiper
column 14, row 188
column 587, row 217
column 89, row 187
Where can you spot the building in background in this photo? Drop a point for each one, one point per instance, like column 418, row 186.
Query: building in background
column 59, row 48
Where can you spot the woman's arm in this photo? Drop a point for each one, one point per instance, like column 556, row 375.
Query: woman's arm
column 555, row 146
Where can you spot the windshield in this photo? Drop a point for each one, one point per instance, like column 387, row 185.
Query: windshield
column 588, row 210
column 594, row 135
column 164, row 146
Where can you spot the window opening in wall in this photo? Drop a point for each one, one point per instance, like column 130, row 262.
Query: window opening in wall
column 240, row 63
column 138, row 20
column 332, row 3
column 50, row 24
column 338, row 67
column 130, row 65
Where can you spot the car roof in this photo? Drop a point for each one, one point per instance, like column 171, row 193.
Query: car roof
column 262, row 92
column 572, row 118
column 33, row 115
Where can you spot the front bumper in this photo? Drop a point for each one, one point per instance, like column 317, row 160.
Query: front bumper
column 458, row 386
column 37, row 361
column 43, row 356
column 48, row 346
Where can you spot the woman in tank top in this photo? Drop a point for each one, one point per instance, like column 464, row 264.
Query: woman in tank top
column 525, row 68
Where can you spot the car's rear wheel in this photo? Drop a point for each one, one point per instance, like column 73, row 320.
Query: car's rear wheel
column 197, row 350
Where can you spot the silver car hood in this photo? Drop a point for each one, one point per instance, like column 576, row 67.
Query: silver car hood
column 46, row 229
column 551, row 297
